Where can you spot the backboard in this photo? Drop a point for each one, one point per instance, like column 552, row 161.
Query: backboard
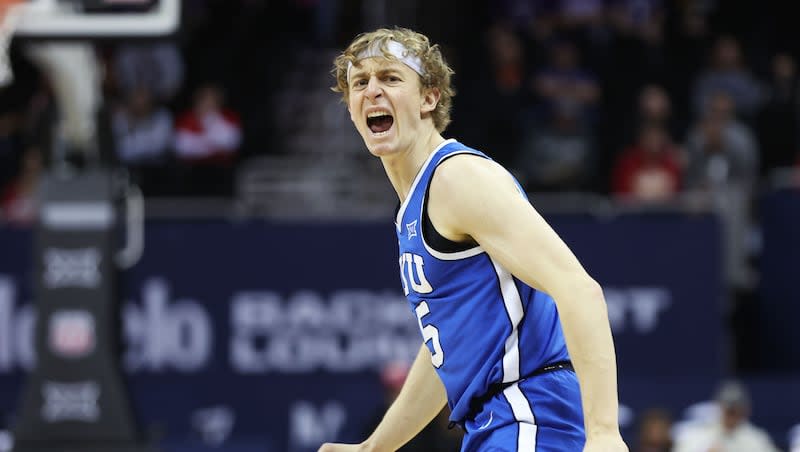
column 92, row 19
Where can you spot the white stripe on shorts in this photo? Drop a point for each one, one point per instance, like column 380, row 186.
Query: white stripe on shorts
column 521, row 408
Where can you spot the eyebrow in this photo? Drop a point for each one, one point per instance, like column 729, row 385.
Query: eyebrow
column 383, row 71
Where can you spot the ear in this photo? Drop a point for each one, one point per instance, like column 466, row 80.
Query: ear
column 430, row 99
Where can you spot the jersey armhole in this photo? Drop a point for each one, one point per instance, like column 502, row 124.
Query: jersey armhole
column 430, row 235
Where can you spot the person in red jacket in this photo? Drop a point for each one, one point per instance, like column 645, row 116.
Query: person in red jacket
column 208, row 132
column 207, row 139
column 650, row 169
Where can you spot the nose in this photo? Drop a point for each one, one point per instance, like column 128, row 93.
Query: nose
column 374, row 89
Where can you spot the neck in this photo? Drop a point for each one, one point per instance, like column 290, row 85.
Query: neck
column 402, row 168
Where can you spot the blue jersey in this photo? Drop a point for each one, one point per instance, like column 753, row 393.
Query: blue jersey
column 482, row 325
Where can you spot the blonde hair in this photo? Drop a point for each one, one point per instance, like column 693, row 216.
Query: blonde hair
column 437, row 72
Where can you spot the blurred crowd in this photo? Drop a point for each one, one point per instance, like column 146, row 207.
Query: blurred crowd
column 170, row 148
column 641, row 99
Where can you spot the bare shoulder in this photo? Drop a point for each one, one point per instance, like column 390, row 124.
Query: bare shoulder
column 469, row 192
column 466, row 175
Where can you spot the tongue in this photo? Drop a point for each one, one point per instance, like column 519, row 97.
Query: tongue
column 380, row 124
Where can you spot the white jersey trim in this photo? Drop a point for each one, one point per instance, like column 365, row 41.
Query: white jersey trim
column 523, row 414
column 402, row 210
column 452, row 256
column 515, row 311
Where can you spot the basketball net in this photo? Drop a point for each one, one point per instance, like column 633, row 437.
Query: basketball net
column 74, row 75
column 71, row 68
column 10, row 13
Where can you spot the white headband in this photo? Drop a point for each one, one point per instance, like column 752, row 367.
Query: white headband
column 396, row 49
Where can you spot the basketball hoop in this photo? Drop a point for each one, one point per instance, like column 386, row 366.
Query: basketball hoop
column 10, row 12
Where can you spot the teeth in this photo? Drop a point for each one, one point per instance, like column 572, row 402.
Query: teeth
column 375, row 114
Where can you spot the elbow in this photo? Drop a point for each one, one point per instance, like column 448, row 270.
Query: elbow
column 592, row 292
column 589, row 292
column 582, row 292
column 581, row 285
column 592, row 288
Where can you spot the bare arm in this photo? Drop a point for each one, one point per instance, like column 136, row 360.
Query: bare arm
column 474, row 198
column 420, row 400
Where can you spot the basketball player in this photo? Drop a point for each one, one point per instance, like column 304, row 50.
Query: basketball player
column 491, row 284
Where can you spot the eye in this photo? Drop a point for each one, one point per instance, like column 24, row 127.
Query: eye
column 359, row 83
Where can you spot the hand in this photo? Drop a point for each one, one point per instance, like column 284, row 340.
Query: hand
column 610, row 442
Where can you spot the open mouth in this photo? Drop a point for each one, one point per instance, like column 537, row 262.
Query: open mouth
column 379, row 122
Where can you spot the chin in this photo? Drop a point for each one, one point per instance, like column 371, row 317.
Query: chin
column 382, row 148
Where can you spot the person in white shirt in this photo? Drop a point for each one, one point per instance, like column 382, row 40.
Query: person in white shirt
column 731, row 431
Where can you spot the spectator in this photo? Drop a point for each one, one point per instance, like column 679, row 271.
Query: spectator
column 637, row 31
column 20, row 199
column 495, row 100
column 524, row 14
column 209, row 132
column 688, row 32
column 654, row 434
column 142, row 130
column 731, row 431
column 651, row 169
column 142, row 134
column 728, row 73
column 155, row 66
column 507, row 53
column 778, row 119
column 207, row 142
column 653, row 106
column 581, row 13
column 794, row 438
column 643, row 19
column 695, row 16
column 722, row 165
column 722, row 150
column 557, row 156
column 565, row 84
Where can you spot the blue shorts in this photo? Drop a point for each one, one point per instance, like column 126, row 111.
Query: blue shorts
column 539, row 414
